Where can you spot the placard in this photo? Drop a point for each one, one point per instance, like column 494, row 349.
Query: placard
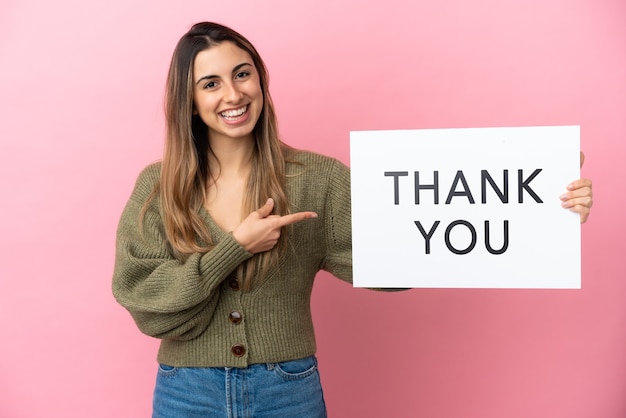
column 465, row 208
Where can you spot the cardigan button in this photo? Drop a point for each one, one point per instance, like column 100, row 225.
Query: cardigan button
column 235, row 317
column 238, row 350
column 233, row 283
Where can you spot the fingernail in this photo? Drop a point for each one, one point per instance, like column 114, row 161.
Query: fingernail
column 314, row 215
column 563, row 196
column 269, row 201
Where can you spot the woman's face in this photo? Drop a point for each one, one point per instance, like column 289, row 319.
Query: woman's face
column 227, row 91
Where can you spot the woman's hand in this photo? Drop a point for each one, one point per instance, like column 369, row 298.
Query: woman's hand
column 260, row 231
column 579, row 197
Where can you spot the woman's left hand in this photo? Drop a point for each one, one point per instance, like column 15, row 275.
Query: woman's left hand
column 579, row 197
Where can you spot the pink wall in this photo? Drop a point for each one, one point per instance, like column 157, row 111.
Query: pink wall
column 80, row 115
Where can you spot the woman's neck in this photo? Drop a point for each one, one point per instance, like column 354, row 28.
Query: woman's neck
column 231, row 157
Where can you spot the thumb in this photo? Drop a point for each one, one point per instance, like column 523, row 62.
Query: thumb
column 266, row 210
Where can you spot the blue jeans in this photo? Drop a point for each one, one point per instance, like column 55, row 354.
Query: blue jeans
column 288, row 389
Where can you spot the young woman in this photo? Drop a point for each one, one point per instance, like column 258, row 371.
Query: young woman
column 219, row 243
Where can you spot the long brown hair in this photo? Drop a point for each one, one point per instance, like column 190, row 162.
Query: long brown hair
column 185, row 172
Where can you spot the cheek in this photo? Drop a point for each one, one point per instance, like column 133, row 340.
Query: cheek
column 205, row 112
column 204, row 105
column 254, row 88
column 258, row 96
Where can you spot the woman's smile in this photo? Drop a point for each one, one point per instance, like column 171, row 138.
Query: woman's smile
column 235, row 115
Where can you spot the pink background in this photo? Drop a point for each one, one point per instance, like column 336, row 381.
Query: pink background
column 81, row 114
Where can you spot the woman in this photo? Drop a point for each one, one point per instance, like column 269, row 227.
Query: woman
column 219, row 243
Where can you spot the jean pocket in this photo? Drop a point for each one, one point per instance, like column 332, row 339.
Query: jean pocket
column 165, row 370
column 296, row 369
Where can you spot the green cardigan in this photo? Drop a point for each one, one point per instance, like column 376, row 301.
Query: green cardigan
column 196, row 308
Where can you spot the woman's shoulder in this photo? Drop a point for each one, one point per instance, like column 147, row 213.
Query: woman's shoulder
column 314, row 162
column 151, row 172
column 147, row 181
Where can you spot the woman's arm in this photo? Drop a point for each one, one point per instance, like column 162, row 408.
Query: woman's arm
column 167, row 298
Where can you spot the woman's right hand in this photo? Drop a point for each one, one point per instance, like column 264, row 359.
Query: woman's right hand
column 260, row 230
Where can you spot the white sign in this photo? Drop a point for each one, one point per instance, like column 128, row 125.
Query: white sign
column 465, row 208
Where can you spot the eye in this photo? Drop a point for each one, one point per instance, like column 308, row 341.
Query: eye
column 242, row 74
column 210, row 85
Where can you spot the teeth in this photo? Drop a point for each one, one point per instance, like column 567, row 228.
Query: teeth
column 234, row 113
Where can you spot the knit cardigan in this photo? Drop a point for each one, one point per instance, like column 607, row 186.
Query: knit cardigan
column 201, row 316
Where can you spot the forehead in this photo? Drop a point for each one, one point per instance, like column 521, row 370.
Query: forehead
column 219, row 60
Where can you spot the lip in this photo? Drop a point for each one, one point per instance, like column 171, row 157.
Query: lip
column 235, row 120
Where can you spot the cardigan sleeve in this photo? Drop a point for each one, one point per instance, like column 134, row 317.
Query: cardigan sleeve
column 339, row 226
column 166, row 297
column 338, row 223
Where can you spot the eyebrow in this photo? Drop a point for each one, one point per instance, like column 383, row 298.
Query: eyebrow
column 235, row 69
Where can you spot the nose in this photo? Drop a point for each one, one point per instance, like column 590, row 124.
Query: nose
column 232, row 94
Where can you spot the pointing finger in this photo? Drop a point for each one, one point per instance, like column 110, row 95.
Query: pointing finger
column 296, row 217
